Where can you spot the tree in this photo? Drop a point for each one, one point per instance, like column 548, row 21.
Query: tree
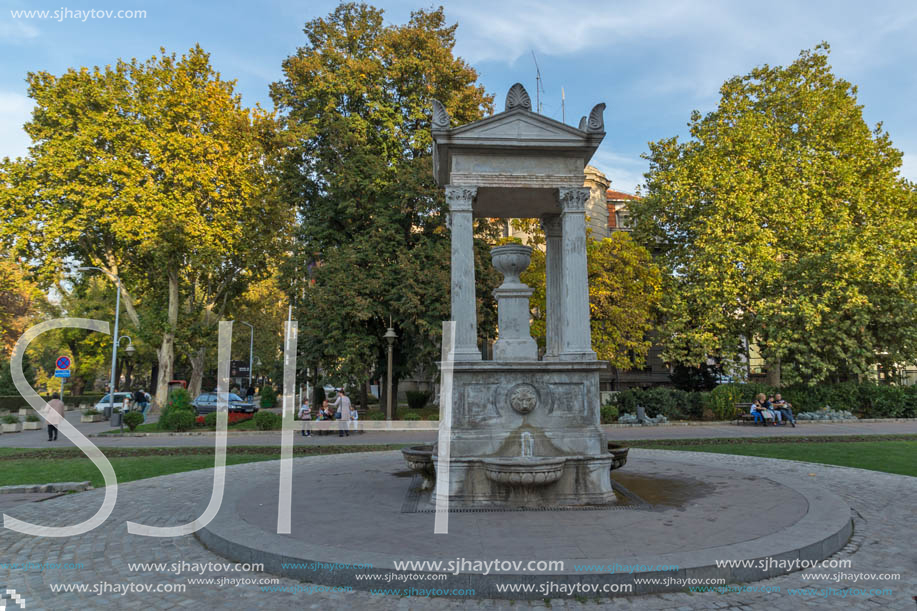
column 154, row 172
column 21, row 303
column 624, row 290
column 784, row 221
column 371, row 242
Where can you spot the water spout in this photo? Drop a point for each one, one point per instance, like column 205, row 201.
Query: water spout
column 528, row 445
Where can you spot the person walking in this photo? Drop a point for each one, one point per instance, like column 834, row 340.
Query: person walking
column 140, row 399
column 54, row 417
column 342, row 412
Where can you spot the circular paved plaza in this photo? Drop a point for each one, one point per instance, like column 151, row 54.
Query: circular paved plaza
column 881, row 506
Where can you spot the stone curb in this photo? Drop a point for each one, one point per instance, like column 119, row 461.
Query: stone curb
column 821, row 532
column 45, row 488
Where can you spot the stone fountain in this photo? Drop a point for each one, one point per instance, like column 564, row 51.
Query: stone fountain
column 525, row 432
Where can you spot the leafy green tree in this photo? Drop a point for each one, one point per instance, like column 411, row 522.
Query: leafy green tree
column 155, row 172
column 21, row 303
column 372, row 243
column 784, row 221
column 624, row 290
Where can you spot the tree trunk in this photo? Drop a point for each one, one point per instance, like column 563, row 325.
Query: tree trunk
column 364, row 396
column 773, row 373
column 197, row 372
column 167, row 349
column 128, row 367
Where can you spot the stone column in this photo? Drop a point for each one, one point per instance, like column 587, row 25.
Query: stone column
column 576, row 337
column 553, row 256
column 464, row 304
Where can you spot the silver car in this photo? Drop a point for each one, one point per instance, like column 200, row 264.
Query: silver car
column 207, row 402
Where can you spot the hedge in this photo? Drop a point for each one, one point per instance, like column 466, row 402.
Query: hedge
column 865, row 400
column 14, row 402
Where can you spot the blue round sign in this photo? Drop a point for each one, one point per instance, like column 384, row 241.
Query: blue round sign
column 63, row 362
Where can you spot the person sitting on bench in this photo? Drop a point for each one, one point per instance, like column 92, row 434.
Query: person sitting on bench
column 785, row 409
column 762, row 409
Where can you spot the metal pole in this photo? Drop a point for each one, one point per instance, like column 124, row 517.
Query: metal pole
column 114, row 351
column 388, row 386
column 251, row 352
column 62, row 390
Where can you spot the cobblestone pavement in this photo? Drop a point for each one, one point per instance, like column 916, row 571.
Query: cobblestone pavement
column 38, row 439
column 884, row 541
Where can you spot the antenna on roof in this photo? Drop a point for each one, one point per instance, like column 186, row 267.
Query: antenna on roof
column 538, row 85
column 563, row 109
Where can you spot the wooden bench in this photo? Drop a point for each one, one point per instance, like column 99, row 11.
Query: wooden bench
column 743, row 415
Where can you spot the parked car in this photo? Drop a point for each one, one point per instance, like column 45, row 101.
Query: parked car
column 119, row 401
column 206, row 403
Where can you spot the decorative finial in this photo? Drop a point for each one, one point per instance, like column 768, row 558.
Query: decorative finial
column 518, row 97
column 582, row 124
column 440, row 116
column 596, row 122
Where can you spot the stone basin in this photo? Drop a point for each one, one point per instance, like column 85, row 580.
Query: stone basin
column 619, row 454
column 420, row 460
column 524, row 471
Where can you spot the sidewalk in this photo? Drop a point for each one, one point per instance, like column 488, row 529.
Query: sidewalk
column 38, row 439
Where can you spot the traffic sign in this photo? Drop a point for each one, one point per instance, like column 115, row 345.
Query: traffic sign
column 63, row 362
column 62, row 373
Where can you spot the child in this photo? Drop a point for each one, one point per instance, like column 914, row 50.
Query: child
column 305, row 413
column 354, row 416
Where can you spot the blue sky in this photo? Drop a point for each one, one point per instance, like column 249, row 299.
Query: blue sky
column 651, row 62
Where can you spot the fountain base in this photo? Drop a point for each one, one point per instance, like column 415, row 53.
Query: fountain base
column 516, row 482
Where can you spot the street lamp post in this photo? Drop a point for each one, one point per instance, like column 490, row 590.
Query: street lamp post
column 129, row 352
column 390, row 337
column 114, row 348
column 251, row 351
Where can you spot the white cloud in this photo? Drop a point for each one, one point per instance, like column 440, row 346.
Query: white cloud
column 624, row 171
column 17, row 30
column 507, row 30
column 15, row 110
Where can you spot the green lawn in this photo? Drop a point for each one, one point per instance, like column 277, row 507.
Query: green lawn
column 24, row 466
column 894, row 454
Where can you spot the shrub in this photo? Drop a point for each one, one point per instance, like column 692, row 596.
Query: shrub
column 375, row 415
column 210, row 420
column 181, row 421
column 722, row 400
column 179, row 400
column 10, row 419
column 268, row 421
column 372, row 400
column 133, row 419
column 669, row 402
column 417, row 399
column 92, row 412
column 411, row 416
column 32, row 417
column 609, row 414
column 268, row 397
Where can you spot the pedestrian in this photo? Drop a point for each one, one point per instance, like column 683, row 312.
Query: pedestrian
column 55, row 414
column 250, row 394
column 342, row 412
column 305, row 414
column 140, row 399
